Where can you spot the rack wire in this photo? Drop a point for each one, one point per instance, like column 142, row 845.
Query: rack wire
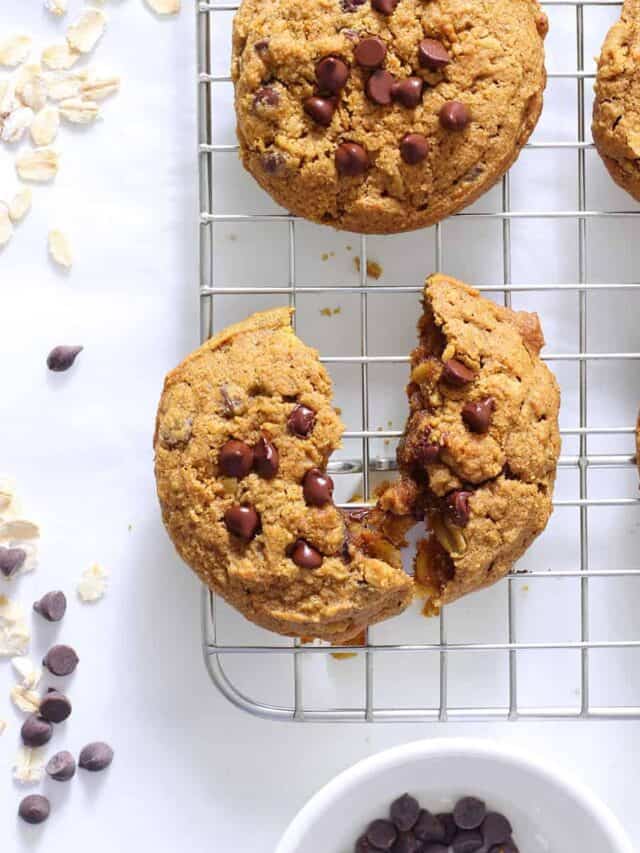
column 218, row 650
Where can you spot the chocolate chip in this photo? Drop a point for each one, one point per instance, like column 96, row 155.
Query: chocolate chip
column 370, row 52
column 466, row 841
column 404, row 812
column 304, row 555
column 495, row 829
column 52, row 606
column 382, row 834
column 432, row 55
column 385, row 7
column 477, row 415
column 274, row 163
column 265, row 458
column 11, row 559
column 449, row 825
column 363, row 845
column 435, row 848
column 454, row 115
column 242, row 521
column 36, row 731
column 61, row 358
column 60, row 660
column 352, row 159
column 262, row 46
column 236, row 458
column 317, row 487
column 34, row 809
column 413, row 148
column 332, row 73
column 55, row 707
column 379, row 86
column 321, row 110
column 469, row 812
column 426, row 452
column 408, row 843
column 408, row 92
column 266, row 96
column 351, row 5
column 61, row 766
column 95, row 756
column 457, row 509
column 507, row 847
column 428, row 827
column 456, row 373
column 301, row 421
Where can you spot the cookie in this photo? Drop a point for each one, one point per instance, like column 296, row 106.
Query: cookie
column 479, row 453
column 244, row 431
column 381, row 116
column 616, row 109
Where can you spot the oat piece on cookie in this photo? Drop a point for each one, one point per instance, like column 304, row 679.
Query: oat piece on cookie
column 382, row 116
column 244, row 432
column 616, row 109
column 479, row 453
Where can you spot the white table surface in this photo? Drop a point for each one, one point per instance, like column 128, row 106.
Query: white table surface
column 190, row 771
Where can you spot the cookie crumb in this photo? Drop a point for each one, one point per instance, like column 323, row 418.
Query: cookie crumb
column 374, row 270
column 324, row 256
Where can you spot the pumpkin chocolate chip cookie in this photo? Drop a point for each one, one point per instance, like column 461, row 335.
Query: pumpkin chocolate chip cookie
column 382, row 116
column 244, row 431
column 479, row 453
column 616, row 109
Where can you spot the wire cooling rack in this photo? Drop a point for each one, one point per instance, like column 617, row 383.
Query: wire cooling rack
column 559, row 637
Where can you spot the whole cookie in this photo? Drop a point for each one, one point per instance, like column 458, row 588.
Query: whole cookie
column 382, row 116
column 616, row 109
column 244, row 431
column 481, row 445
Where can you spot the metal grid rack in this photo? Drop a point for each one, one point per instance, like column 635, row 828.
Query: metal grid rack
column 216, row 650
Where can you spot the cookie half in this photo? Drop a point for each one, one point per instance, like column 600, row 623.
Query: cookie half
column 244, row 432
column 381, row 116
column 479, row 453
column 616, row 109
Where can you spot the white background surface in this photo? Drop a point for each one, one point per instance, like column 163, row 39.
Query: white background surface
column 190, row 773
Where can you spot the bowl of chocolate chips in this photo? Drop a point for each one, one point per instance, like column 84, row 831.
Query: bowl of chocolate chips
column 454, row 796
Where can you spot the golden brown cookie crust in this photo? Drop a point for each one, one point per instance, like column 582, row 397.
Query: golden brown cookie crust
column 496, row 69
column 243, row 384
column 616, row 109
column 486, row 491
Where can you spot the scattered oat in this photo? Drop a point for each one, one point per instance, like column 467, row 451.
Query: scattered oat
column 14, row 633
column 29, row 765
column 45, row 126
column 7, row 492
column 59, row 57
column 63, row 85
column 27, row 701
column 31, row 87
column 39, row 165
column 56, row 7
column 93, row 583
column 15, row 124
column 18, row 528
column 374, row 270
column 14, row 50
column 79, row 111
column 3, row 726
column 87, row 30
column 29, row 673
column 6, row 228
column 164, row 7
column 60, row 249
column 99, row 88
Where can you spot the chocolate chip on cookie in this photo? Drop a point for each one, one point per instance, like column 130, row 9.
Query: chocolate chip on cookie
column 242, row 521
column 267, row 97
column 408, row 92
column 320, row 109
column 261, row 47
column 414, row 148
column 301, row 421
column 477, row 415
column 385, row 7
column 305, row 555
column 457, row 507
column 265, row 458
column 351, row 159
column 351, row 5
column 370, row 52
column 432, row 55
column 379, row 87
column 454, row 372
column 317, row 487
column 274, row 163
column 236, row 459
column 454, row 115
column 331, row 74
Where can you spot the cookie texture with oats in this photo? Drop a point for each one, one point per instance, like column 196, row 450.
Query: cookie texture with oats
column 244, row 431
column 438, row 98
column 480, row 449
column 616, row 108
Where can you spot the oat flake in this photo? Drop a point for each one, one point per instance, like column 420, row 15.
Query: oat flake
column 164, row 7
column 59, row 57
column 15, row 124
column 19, row 206
column 39, row 165
column 99, row 88
column 28, row 767
column 79, row 111
column 93, row 583
column 60, row 249
column 14, row 633
column 56, row 7
column 6, row 230
column 86, row 32
column 61, row 85
column 27, row 701
column 44, row 127
column 14, row 50
column 29, row 673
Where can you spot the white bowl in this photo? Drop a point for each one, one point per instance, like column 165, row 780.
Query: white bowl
column 550, row 811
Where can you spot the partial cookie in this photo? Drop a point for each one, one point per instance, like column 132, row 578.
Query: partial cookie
column 480, row 449
column 382, row 116
column 244, row 431
column 616, row 109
